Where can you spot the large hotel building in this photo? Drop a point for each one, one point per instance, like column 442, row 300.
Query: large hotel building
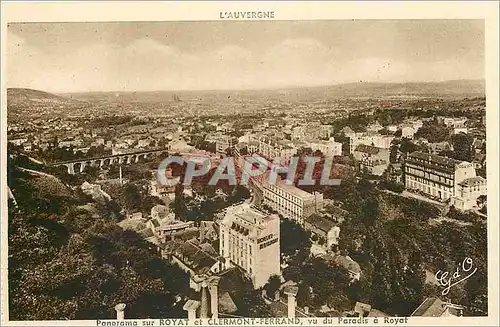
column 440, row 177
column 273, row 149
column 292, row 202
column 250, row 239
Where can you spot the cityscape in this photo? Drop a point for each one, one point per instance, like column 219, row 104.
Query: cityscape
column 94, row 233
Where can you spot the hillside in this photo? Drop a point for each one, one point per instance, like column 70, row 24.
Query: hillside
column 25, row 104
column 69, row 259
column 388, row 233
column 19, row 95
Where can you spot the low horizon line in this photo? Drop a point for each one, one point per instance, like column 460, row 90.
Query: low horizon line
column 276, row 88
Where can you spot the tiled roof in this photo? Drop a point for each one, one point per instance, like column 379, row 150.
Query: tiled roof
column 367, row 149
column 473, row 181
column 435, row 159
column 320, row 223
column 348, row 264
column 194, row 257
column 433, row 307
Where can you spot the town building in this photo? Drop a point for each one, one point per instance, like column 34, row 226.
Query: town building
column 222, row 142
column 363, row 152
column 438, row 147
column 329, row 148
column 292, row 202
column 273, row 149
column 375, row 127
column 374, row 139
column 18, row 141
column 200, row 261
column 250, row 240
column 435, row 307
column 165, row 228
column 352, row 267
column 325, row 229
column 392, row 128
column 436, row 176
column 468, row 191
column 298, row 133
column 375, row 167
column 453, row 122
column 462, row 129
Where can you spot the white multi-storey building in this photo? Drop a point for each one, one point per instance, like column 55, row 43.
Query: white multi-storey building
column 436, row 176
column 292, row 202
column 468, row 191
column 222, row 142
column 329, row 148
column 272, row 149
column 250, row 239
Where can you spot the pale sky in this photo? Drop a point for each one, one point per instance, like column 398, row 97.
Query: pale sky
column 136, row 56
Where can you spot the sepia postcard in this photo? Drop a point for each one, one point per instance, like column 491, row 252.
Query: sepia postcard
column 249, row 163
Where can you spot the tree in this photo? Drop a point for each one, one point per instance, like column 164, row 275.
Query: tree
column 273, row 284
column 433, row 132
column 370, row 212
column 406, row 146
column 304, row 295
column 238, row 194
column 413, row 282
column 463, row 147
column 250, row 303
column 83, row 264
column 132, row 197
column 293, row 238
column 393, row 154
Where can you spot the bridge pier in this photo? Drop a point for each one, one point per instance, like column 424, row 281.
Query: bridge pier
column 125, row 158
column 71, row 168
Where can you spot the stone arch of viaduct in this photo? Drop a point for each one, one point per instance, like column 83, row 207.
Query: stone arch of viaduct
column 78, row 166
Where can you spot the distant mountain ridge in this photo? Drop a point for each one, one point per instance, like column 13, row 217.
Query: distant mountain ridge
column 456, row 88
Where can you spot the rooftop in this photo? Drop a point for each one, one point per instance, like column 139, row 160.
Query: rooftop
column 367, row 149
column 246, row 215
column 433, row 307
column 473, row 181
column 193, row 256
column 435, row 159
column 293, row 190
column 348, row 263
column 321, row 223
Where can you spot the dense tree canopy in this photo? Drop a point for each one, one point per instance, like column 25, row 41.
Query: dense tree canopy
column 72, row 262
